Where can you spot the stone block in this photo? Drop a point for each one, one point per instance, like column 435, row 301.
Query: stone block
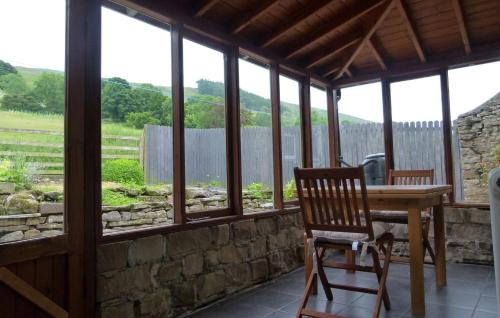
column 260, row 269
column 244, row 230
column 170, row 271
column 266, row 226
column 21, row 203
column 184, row 293
column 50, row 226
column 237, row 276
column 211, row 258
column 55, row 219
column 7, row 221
column 130, row 223
column 112, row 256
column 13, row 236
column 210, row 284
column 158, row 303
column 146, row 250
column 278, row 241
column 33, row 233
column 192, row 264
column 188, row 241
column 51, row 208
column 13, row 228
column 111, row 216
column 221, row 234
column 7, row 188
column 125, row 310
column 122, row 283
column 232, row 254
column 258, row 248
column 48, row 233
column 480, row 216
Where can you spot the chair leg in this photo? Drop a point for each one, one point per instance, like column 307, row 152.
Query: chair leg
column 378, row 272
column 307, row 293
column 322, row 275
column 382, row 292
column 427, row 244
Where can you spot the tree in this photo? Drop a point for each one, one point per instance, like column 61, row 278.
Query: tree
column 117, row 99
column 206, row 87
column 13, row 84
column 6, row 68
column 26, row 102
column 150, row 99
column 205, row 111
column 318, row 117
column 138, row 120
column 49, row 90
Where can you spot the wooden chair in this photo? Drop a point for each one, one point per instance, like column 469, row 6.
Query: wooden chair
column 408, row 177
column 333, row 219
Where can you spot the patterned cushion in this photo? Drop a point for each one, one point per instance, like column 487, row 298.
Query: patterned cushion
column 394, row 216
column 378, row 230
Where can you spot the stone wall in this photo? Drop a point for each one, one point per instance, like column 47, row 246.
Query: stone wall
column 479, row 133
column 166, row 275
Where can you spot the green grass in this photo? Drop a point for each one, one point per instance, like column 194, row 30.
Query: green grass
column 112, row 198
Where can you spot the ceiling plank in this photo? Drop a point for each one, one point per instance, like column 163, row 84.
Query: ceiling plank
column 204, row 6
column 403, row 9
column 388, row 6
column 376, row 54
column 297, row 19
column 461, row 25
column 342, row 44
column 253, row 15
column 336, row 22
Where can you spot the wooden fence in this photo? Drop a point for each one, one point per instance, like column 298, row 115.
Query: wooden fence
column 50, row 160
column 416, row 146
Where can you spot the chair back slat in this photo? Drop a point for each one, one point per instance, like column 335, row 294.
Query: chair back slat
column 331, row 201
column 411, row 177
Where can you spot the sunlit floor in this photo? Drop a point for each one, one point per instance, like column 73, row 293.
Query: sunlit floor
column 470, row 293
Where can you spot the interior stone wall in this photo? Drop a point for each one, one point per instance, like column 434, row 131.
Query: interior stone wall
column 479, row 133
column 167, row 275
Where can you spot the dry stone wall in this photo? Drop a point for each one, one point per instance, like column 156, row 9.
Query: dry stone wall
column 479, row 133
column 167, row 275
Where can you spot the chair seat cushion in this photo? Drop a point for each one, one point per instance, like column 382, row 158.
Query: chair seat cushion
column 399, row 230
column 395, row 216
column 348, row 237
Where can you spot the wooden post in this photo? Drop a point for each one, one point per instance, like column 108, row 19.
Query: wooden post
column 306, row 127
column 179, row 182
column 388, row 137
column 447, row 132
column 333, row 126
column 233, row 136
column 276, row 127
column 82, row 179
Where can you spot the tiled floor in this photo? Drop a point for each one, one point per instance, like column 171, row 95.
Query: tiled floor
column 470, row 293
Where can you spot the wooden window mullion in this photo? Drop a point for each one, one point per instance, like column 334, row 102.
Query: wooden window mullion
column 388, row 137
column 276, row 131
column 305, row 122
column 333, row 125
column 447, row 131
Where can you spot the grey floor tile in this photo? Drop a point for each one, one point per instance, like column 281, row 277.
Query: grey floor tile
column 484, row 314
column 487, row 303
column 443, row 311
column 268, row 298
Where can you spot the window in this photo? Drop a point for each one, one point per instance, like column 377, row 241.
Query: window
column 256, row 137
column 474, row 105
column 205, row 128
column 32, row 103
column 417, row 126
column 291, row 147
column 319, row 121
column 360, row 123
column 136, row 123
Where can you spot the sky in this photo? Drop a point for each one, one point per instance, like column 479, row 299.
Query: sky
column 140, row 53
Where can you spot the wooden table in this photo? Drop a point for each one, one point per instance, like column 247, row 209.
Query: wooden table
column 413, row 199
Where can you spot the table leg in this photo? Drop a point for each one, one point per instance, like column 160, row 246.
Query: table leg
column 416, row 263
column 308, row 265
column 440, row 245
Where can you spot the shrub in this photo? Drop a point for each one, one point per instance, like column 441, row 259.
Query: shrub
column 138, row 120
column 256, row 189
column 289, row 190
column 123, row 171
column 15, row 171
column 112, row 198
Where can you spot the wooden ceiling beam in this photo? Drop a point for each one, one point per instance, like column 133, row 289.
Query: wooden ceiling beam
column 351, row 15
column 253, row 15
column 387, row 8
column 461, row 25
column 348, row 72
column 376, row 54
column 403, row 9
column 297, row 19
column 204, row 6
column 342, row 44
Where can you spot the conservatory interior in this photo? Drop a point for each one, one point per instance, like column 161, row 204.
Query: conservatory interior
column 155, row 158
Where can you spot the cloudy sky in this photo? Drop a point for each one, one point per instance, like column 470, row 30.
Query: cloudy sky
column 140, row 53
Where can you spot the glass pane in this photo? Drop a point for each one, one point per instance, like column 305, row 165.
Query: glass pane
column 256, row 137
column 361, row 124
column 205, row 132
column 136, row 123
column 319, row 121
column 474, row 103
column 291, row 147
column 417, row 126
column 32, row 94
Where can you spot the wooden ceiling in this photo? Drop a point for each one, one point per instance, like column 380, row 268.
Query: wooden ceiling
column 349, row 41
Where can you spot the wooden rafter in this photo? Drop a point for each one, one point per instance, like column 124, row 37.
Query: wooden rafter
column 376, row 54
column 330, row 71
column 253, row 15
column 403, row 9
column 204, row 6
column 300, row 17
column 388, row 6
column 461, row 25
column 342, row 44
column 348, row 72
column 345, row 17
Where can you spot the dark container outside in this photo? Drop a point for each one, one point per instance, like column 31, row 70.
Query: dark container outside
column 374, row 167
